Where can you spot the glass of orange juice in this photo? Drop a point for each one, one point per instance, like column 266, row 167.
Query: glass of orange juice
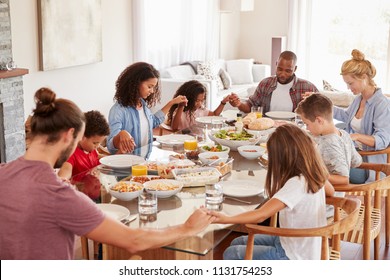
column 258, row 110
column 190, row 145
column 139, row 170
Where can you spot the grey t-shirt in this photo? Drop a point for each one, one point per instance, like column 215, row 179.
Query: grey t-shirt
column 338, row 152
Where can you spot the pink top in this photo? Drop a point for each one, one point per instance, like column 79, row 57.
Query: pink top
column 186, row 120
column 41, row 214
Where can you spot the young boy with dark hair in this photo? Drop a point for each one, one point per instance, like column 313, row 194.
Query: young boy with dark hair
column 335, row 145
column 86, row 156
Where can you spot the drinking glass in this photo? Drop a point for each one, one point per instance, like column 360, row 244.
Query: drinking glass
column 147, row 205
column 258, row 110
column 214, row 196
column 139, row 170
column 298, row 121
column 190, row 145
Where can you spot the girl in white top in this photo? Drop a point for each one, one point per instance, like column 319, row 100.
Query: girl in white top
column 181, row 116
column 295, row 179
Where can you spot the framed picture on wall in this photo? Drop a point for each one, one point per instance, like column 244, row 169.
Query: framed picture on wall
column 70, row 33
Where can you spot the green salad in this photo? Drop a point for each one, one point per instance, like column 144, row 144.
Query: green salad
column 231, row 135
column 216, row 148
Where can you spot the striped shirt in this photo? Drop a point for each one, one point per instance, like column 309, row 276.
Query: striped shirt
column 263, row 93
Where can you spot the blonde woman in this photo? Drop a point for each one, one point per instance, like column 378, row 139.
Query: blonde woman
column 368, row 117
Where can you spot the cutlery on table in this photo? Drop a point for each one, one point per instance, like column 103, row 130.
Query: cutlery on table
column 236, row 199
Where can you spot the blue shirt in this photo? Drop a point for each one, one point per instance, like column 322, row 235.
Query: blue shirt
column 127, row 118
column 375, row 122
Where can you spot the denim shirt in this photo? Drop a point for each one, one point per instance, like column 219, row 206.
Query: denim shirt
column 375, row 121
column 127, row 118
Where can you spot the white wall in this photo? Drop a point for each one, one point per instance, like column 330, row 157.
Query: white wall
column 249, row 34
column 90, row 86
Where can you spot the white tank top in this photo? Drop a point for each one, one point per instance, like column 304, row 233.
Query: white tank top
column 356, row 125
column 280, row 99
column 144, row 127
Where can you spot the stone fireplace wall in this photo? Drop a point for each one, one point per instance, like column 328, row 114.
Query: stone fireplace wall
column 12, row 134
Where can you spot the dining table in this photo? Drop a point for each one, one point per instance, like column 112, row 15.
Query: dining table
column 176, row 209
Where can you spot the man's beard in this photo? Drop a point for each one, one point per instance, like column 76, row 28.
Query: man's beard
column 65, row 154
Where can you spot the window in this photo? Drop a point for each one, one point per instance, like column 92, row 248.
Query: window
column 335, row 28
column 173, row 31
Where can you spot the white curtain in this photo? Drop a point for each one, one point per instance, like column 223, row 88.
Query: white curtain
column 299, row 29
column 323, row 34
column 170, row 32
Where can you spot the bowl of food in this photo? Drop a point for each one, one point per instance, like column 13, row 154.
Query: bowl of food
column 210, row 157
column 126, row 190
column 216, row 149
column 251, row 151
column 232, row 139
column 164, row 187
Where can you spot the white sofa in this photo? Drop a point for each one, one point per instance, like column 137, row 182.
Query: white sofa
column 244, row 78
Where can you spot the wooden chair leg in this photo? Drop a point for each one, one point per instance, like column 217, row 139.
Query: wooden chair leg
column 84, row 247
column 376, row 247
column 387, row 218
column 250, row 245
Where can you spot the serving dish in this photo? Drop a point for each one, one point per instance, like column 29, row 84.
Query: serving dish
column 251, row 151
column 196, row 177
column 164, row 187
column 125, row 190
column 228, row 137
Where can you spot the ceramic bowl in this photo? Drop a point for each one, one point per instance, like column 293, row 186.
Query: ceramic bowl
column 210, row 157
column 164, row 187
column 251, row 151
column 126, row 190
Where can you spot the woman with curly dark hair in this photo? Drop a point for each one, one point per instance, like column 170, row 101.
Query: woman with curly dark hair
column 131, row 120
column 181, row 116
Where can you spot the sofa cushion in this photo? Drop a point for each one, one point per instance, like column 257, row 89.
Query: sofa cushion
column 210, row 70
column 327, row 86
column 339, row 98
column 178, row 72
column 240, row 70
column 226, row 79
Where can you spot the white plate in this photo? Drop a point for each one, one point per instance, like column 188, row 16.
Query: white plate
column 210, row 119
column 174, row 139
column 114, row 211
column 280, row 115
column 230, row 115
column 241, row 188
column 122, row 161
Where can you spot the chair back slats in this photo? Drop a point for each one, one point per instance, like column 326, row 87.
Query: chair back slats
column 341, row 224
column 369, row 223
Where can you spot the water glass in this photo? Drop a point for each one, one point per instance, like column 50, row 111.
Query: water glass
column 298, row 121
column 147, row 205
column 214, row 196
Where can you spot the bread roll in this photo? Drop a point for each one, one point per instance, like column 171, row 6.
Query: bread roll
column 249, row 118
column 261, row 124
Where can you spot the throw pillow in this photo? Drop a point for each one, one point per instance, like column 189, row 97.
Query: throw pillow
column 209, row 70
column 226, row 79
column 240, row 71
column 327, row 86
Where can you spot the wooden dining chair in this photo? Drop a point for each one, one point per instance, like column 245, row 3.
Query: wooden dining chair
column 339, row 225
column 384, row 193
column 370, row 216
